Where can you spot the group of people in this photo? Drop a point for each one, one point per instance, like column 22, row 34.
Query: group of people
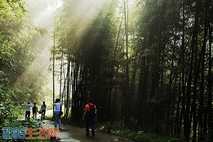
column 89, row 115
column 34, row 110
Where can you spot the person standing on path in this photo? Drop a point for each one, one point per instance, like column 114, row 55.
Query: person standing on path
column 57, row 113
column 35, row 110
column 90, row 114
column 43, row 109
column 27, row 113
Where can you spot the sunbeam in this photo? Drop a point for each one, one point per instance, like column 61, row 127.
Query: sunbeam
column 41, row 14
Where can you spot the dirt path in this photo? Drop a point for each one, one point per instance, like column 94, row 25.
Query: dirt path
column 77, row 134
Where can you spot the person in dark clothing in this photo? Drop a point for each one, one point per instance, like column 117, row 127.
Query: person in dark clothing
column 35, row 110
column 43, row 109
column 90, row 115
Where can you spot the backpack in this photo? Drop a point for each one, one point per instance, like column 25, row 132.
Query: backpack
column 92, row 110
column 34, row 108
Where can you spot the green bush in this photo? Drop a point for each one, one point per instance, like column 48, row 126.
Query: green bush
column 8, row 117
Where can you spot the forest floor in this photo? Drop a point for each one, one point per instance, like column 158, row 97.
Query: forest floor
column 77, row 134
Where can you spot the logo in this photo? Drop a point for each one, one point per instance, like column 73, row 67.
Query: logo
column 29, row 133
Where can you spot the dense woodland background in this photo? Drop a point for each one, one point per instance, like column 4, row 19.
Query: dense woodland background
column 145, row 63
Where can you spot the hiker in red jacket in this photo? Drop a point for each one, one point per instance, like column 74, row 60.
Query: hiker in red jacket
column 90, row 115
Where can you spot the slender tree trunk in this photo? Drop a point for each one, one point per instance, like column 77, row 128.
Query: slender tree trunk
column 201, row 113
column 210, row 75
column 183, row 76
column 61, row 73
column 68, row 88
column 53, row 72
column 127, row 92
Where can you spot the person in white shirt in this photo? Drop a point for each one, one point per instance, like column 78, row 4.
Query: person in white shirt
column 57, row 113
column 27, row 114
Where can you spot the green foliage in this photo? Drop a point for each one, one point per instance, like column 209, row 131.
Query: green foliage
column 17, row 53
column 139, row 136
column 8, row 115
column 31, row 123
column 11, row 22
column 8, row 111
column 18, row 50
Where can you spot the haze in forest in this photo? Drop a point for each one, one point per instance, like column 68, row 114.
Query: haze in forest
column 41, row 15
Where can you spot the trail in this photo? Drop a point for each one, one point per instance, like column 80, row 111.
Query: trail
column 78, row 134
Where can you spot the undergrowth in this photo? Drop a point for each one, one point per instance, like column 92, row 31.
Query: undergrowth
column 133, row 134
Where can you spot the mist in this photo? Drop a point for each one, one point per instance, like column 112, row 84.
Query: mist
column 41, row 15
column 42, row 12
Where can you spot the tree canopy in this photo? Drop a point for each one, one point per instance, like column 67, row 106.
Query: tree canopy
column 19, row 82
column 147, row 63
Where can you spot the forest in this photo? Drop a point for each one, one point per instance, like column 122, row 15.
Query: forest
column 146, row 64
